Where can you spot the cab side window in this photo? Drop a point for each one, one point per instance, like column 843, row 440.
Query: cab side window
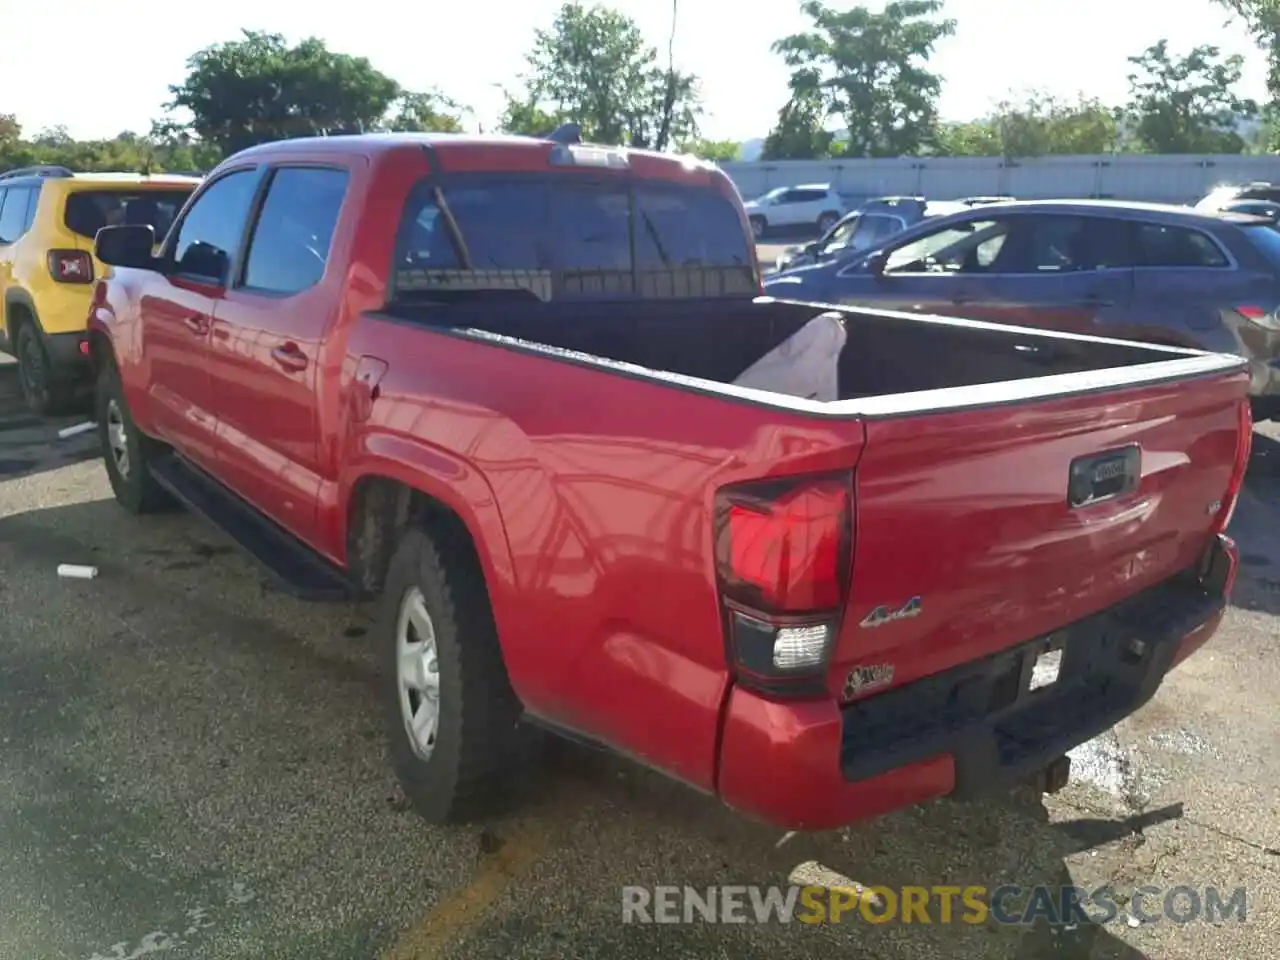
column 209, row 235
column 291, row 240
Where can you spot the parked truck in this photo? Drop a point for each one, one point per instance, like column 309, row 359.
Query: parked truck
column 490, row 382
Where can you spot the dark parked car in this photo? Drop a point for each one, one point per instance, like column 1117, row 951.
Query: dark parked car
column 1161, row 274
column 865, row 228
column 1258, row 208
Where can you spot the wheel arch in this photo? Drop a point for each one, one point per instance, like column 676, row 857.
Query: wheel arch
column 19, row 301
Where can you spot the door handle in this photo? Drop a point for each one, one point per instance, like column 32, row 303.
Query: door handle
column 961, row 299
column 290, row 357
column 197, row 323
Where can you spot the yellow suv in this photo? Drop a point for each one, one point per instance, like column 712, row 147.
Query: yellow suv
column 49, row 217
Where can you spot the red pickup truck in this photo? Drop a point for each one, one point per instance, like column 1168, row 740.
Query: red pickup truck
column 491, row 382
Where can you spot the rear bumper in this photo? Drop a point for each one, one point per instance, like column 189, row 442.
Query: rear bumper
column 65, row 351
column 972, row 729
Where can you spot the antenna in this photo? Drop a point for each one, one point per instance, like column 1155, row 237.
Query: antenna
column 566, row 133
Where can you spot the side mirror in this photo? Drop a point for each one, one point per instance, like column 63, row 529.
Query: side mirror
column 126, row 246
column 876, row 262
column 812, row 249
column 205, row 260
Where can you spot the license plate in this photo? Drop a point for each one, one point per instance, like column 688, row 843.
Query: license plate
column 1045, row 670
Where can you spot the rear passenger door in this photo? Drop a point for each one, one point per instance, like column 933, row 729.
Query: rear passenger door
column 796, row 207
column 1182, row 276
column 265, row 354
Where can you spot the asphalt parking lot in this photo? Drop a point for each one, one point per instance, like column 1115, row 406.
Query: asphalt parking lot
column 193, row 765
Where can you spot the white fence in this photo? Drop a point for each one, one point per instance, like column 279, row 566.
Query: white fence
column 1161, row 179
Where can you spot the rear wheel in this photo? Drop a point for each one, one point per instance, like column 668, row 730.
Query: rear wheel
column 457, row 742
column 42, row 389
column 126, row 451
column 826, row 222
column 758, row 226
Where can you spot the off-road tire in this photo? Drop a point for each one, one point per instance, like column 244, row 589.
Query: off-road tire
column 482, row 753
column 136, row 489
column 43, row 389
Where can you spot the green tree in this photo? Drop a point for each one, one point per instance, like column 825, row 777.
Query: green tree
column 593, row 66
column 871, row 71
column 977, row 138
column 525, row 114
column 1186, row 104
column 1262, row 18
column 719, row 151
column 259, row 88
column 426, row 113
column 801, row 132
column 1040, row 124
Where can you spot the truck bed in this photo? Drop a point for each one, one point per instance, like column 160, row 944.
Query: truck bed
column 886, row 355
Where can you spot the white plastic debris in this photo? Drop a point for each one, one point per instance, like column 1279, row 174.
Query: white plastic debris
column 806, row 364
column 66, row 433
column 76, row 571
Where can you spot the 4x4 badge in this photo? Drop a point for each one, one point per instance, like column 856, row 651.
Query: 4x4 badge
column 883, row 614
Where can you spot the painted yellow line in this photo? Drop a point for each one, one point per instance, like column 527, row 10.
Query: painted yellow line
column 453, row 916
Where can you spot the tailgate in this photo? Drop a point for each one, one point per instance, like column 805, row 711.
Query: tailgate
column 966, row 540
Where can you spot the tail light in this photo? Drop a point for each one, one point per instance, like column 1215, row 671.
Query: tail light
column 71, row 266
column 1261, row 316
column 1244, row 447
column 783, row 554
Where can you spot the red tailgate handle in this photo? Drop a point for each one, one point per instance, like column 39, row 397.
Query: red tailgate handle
column 197, row 323
column 290, row 356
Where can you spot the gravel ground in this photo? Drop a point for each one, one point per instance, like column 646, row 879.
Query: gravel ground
column 193, row 765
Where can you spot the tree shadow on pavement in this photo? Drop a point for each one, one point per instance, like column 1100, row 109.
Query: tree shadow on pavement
column 1004, row 840
column 29, row 444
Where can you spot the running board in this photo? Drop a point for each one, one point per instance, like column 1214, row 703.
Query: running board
column 291, row 565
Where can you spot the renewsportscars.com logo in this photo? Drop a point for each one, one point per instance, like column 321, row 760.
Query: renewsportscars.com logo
column 1005, row 905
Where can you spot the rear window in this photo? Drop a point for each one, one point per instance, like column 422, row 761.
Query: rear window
column 88, row 211
column 1266, row 239
column 561, row 238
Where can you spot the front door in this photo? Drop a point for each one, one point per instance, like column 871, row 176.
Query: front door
column 940, row 272
column 178, row 306
column 265, row 354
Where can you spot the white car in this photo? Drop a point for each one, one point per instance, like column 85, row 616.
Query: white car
column 808, row 204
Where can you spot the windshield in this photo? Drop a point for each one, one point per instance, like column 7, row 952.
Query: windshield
column 840, row 236
column 547, row 234
column 90, row 210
